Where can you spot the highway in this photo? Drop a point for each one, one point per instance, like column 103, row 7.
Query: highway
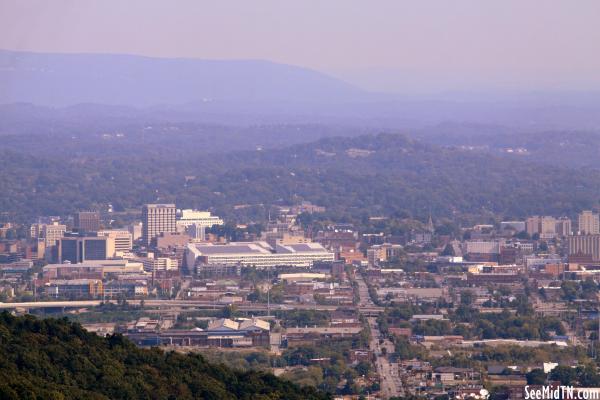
column 388, row 373
column 150, row 303
column 51, row 304
column 179, row 304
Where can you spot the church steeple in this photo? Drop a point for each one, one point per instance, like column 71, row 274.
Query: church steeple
column 430, row 226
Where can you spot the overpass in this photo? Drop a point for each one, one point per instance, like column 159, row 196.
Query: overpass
column 50, row 304
column 181, row 304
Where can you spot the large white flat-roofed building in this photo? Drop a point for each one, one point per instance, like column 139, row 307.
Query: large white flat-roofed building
column 258, row 254
column 205, row 218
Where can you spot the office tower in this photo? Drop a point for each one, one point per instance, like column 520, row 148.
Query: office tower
column 532, row 225
column 87, row 221
column 195, row 231
column 136, row 230
column 123, row 240
column 78, row 249
column 589, row 223
column 547, row 227
column 564, row 227
column 51, row 233
column 40, row 248
column 544, row 226
column 156, row 219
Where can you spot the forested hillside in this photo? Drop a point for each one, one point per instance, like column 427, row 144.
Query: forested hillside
column 577, row 149
column 388, row 175
column 57, row 359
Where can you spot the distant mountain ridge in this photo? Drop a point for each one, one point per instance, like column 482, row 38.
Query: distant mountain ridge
column 67, row 79
column 251, row 92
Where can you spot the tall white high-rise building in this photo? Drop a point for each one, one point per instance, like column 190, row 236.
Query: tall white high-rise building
column 547, row 227
column 156, row 219
column 589, row 223
column 51, row 233
column 563, row 227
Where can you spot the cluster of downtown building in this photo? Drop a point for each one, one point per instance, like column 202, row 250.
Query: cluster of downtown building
column 545, row 250
column 83, row 260
column 170, row 249
column 492, row 265
column 579, row 243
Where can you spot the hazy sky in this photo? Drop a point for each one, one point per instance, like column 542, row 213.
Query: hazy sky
column 418, row 45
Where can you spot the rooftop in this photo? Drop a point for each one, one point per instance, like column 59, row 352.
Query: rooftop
column 241, row 325
column 257, row 248
column 234, row 248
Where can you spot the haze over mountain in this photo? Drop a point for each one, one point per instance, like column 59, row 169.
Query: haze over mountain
column 67, row 79
column 118, row 88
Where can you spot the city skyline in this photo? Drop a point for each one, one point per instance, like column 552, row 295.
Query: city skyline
column 299, row 200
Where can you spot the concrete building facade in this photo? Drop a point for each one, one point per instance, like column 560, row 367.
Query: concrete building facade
column 156, row 219
column 588, row 223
